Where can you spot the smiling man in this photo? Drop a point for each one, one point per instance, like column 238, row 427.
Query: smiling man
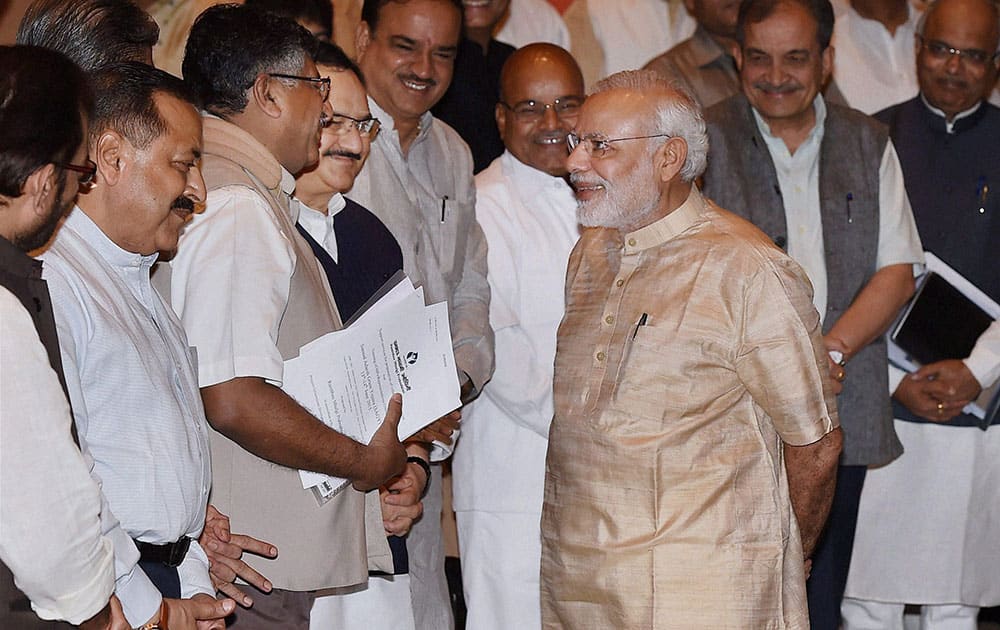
column 824, row 182
column 694, row 443
column 418, row 181
column 250, row 294
column 131, row 381
column 527, row 212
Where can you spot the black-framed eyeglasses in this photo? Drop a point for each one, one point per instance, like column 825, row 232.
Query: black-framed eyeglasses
column 942, row 52
column 530, row 110
column 322, row 83
column 87, row 172
column 594, row 144
column 340, row 124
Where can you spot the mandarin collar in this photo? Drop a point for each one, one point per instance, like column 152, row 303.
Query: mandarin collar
column 667, row 228
column 91, row 233
column 389, row 123
column 529, row 179
column 961, row 121
column 15, row 261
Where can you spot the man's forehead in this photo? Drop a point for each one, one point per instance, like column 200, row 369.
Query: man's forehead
column 612, row 111
column 409, row 13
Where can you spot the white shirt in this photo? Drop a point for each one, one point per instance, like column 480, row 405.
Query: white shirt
column 984, row 361
column 631, row 32
column 320, row 226
column 873, row 68
column 798, row 178
column 529, row 218
column 233, row 304
column 530, row 21
column 427, row 200
column 134, row 391
column 50, row 527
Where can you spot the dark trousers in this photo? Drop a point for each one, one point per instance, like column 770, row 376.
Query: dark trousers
column 287, row 610
column 832, row 557
column 164, row 578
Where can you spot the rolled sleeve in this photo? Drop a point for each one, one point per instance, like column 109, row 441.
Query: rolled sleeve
column 229, row 286
column 782, row 361
column 898, row 239
column 193, row 572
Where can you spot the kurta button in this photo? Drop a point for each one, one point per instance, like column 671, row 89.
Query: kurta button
column 609, row 320
column 631, row 242
column 600, row 356
column 620, row 282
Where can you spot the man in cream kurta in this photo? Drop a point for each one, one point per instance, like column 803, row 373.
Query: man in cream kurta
column 694, row 419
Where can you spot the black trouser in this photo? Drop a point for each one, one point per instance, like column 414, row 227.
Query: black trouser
column 832, row 556
column 164, row 578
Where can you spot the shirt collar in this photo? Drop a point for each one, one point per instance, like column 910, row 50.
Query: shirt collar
column 668, row 227
column 706, row 51
column 79, row 222
column 949, row 125
column 819, row 107
column 529, row 179
column 15, row 261
column 389, row 123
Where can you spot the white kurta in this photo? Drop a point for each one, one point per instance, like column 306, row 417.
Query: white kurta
column 530, row 21
column 529, row 219
column 873, row 68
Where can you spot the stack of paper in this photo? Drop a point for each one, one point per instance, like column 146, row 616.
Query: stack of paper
column 346, row 378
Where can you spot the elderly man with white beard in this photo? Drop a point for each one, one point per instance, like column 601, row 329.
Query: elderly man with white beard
column 694, row 446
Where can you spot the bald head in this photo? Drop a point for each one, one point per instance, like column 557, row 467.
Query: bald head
column 956, row 82
column 541, row 90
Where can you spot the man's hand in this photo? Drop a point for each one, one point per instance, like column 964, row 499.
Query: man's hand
column 440, row 430
column 812, row 477
column 837, row 370
column 385, row 456
column 225, row 551
column 938, row 391
column 401, row 506
column 110, row 617
column 201, row 612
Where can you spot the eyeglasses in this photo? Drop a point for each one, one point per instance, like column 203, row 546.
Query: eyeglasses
column 322, row 83
column 596, row 145
column 340, row 124
column 942, row 52
column 87, row 172
column 530, row 111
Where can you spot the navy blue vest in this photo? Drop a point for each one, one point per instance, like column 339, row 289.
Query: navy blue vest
column 953, row 181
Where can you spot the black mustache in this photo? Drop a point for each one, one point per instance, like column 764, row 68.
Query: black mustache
column 412, row 78
column 346, row 154
column 182, row 203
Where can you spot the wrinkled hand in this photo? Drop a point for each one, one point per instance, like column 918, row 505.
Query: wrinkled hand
column 201, row 612
column 938, row 391
column 385, row 456
column 225, row 551
column 110, row 617
column 837, row 371
column 440, row 430
column 401, row 505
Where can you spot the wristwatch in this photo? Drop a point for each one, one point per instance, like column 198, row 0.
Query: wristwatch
column 420, row 461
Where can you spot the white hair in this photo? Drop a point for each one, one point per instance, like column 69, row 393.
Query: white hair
column 678, row 116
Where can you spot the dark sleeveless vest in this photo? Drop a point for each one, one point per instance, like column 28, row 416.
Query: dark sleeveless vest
column 741, row 177
column 945, row 176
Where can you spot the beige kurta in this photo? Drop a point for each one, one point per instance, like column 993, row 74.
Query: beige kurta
column 666, row 499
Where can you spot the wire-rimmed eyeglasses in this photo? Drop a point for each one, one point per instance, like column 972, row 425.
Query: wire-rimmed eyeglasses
column 322, row 83
column 594, row 144
column 340, row 124
column 532, row 110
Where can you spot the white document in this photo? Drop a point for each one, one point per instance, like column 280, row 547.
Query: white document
column 346, row 378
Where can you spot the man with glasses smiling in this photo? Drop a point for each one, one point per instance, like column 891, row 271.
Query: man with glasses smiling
column 929, row 522
column 249, row 291
column 694, row 442
column 526, row 209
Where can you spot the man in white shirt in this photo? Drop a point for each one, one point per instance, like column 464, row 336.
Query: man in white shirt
column 825, row 182
column 50, row 530
column 129, row 371
column 874, row 42
column 418, row 180
column 530, row 21
column 528, row 214
column 250, row 293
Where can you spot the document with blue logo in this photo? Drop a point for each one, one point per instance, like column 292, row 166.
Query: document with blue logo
column 346, row 378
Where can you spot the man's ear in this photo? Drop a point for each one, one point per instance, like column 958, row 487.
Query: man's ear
column 38, row 189
column 110, row 151
column 828, row 56
column 362, row 37
column 500, row 115
column 669, row 159
column 265, row 97
column 738, row 57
